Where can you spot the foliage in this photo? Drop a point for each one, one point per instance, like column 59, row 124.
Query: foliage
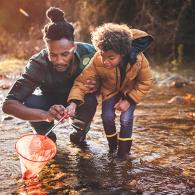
column 170, row 22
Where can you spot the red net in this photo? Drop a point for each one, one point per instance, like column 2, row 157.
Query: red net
column 34, row 152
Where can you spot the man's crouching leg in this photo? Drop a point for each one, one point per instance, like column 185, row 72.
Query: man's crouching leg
column 41, row 127
column 82, row 120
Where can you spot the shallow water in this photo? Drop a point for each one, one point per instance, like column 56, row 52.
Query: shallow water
column 162, row 157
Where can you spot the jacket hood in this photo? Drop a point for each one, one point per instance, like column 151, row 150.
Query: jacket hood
column 141, row 39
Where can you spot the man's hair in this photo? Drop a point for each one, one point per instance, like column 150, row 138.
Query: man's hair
column 57, row 27
column 112, row 36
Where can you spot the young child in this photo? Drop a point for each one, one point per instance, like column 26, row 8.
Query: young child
column 122, row 85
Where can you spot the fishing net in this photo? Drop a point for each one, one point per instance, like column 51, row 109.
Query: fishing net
column 34, row 153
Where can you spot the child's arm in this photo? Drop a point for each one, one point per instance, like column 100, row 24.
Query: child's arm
column 79, row 89
column 144, row 81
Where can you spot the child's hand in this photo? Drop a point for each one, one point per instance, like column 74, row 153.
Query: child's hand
column 122, row 105
column 70, row 110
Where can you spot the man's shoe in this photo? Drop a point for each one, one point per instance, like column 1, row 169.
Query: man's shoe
column 78, row 137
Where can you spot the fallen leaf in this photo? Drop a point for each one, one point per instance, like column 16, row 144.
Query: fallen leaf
column 132, row 183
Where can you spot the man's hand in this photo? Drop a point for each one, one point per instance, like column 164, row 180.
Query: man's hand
column 122, row 105
column 70, row 110
column 56, row 112
column 92, row 85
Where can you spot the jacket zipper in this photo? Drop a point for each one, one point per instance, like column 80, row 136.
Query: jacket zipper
column 116, row 72
column 116, row 78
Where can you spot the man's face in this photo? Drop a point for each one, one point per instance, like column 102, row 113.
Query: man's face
column 60, row 53
column 111, row 59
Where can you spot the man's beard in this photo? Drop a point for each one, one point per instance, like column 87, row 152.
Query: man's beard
column 62, row 68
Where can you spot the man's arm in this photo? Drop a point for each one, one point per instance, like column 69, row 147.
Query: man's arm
column 19, row 110
column 92, row 85
column 22, row 89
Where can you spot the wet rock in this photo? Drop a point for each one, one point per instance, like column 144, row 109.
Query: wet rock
column 7, row 118
column 174, row 81
column 190, row 115
column 146, row 193
column 186, row 99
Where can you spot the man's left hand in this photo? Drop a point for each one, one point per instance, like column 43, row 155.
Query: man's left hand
column 92, row 85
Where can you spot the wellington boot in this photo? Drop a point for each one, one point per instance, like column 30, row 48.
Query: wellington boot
column 112, row 143
column 124, row 147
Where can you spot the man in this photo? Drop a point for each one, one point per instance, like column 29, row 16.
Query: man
column 53, row 70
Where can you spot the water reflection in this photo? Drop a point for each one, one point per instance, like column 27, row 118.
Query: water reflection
column 31, row 187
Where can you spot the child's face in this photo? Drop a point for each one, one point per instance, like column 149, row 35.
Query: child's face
column 111, row 59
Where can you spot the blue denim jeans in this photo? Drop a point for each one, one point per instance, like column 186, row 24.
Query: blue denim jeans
column 84, row 113
column 108, row 117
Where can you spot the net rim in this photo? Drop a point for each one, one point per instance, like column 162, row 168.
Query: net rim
column 43, row 136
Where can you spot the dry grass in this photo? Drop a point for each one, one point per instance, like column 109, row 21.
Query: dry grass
column 11, row 66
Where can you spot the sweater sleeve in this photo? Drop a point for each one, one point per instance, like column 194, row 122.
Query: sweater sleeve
column 27, row 83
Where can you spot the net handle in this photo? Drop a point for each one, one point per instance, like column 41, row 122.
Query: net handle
column 55, row 125
column 58, row 124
